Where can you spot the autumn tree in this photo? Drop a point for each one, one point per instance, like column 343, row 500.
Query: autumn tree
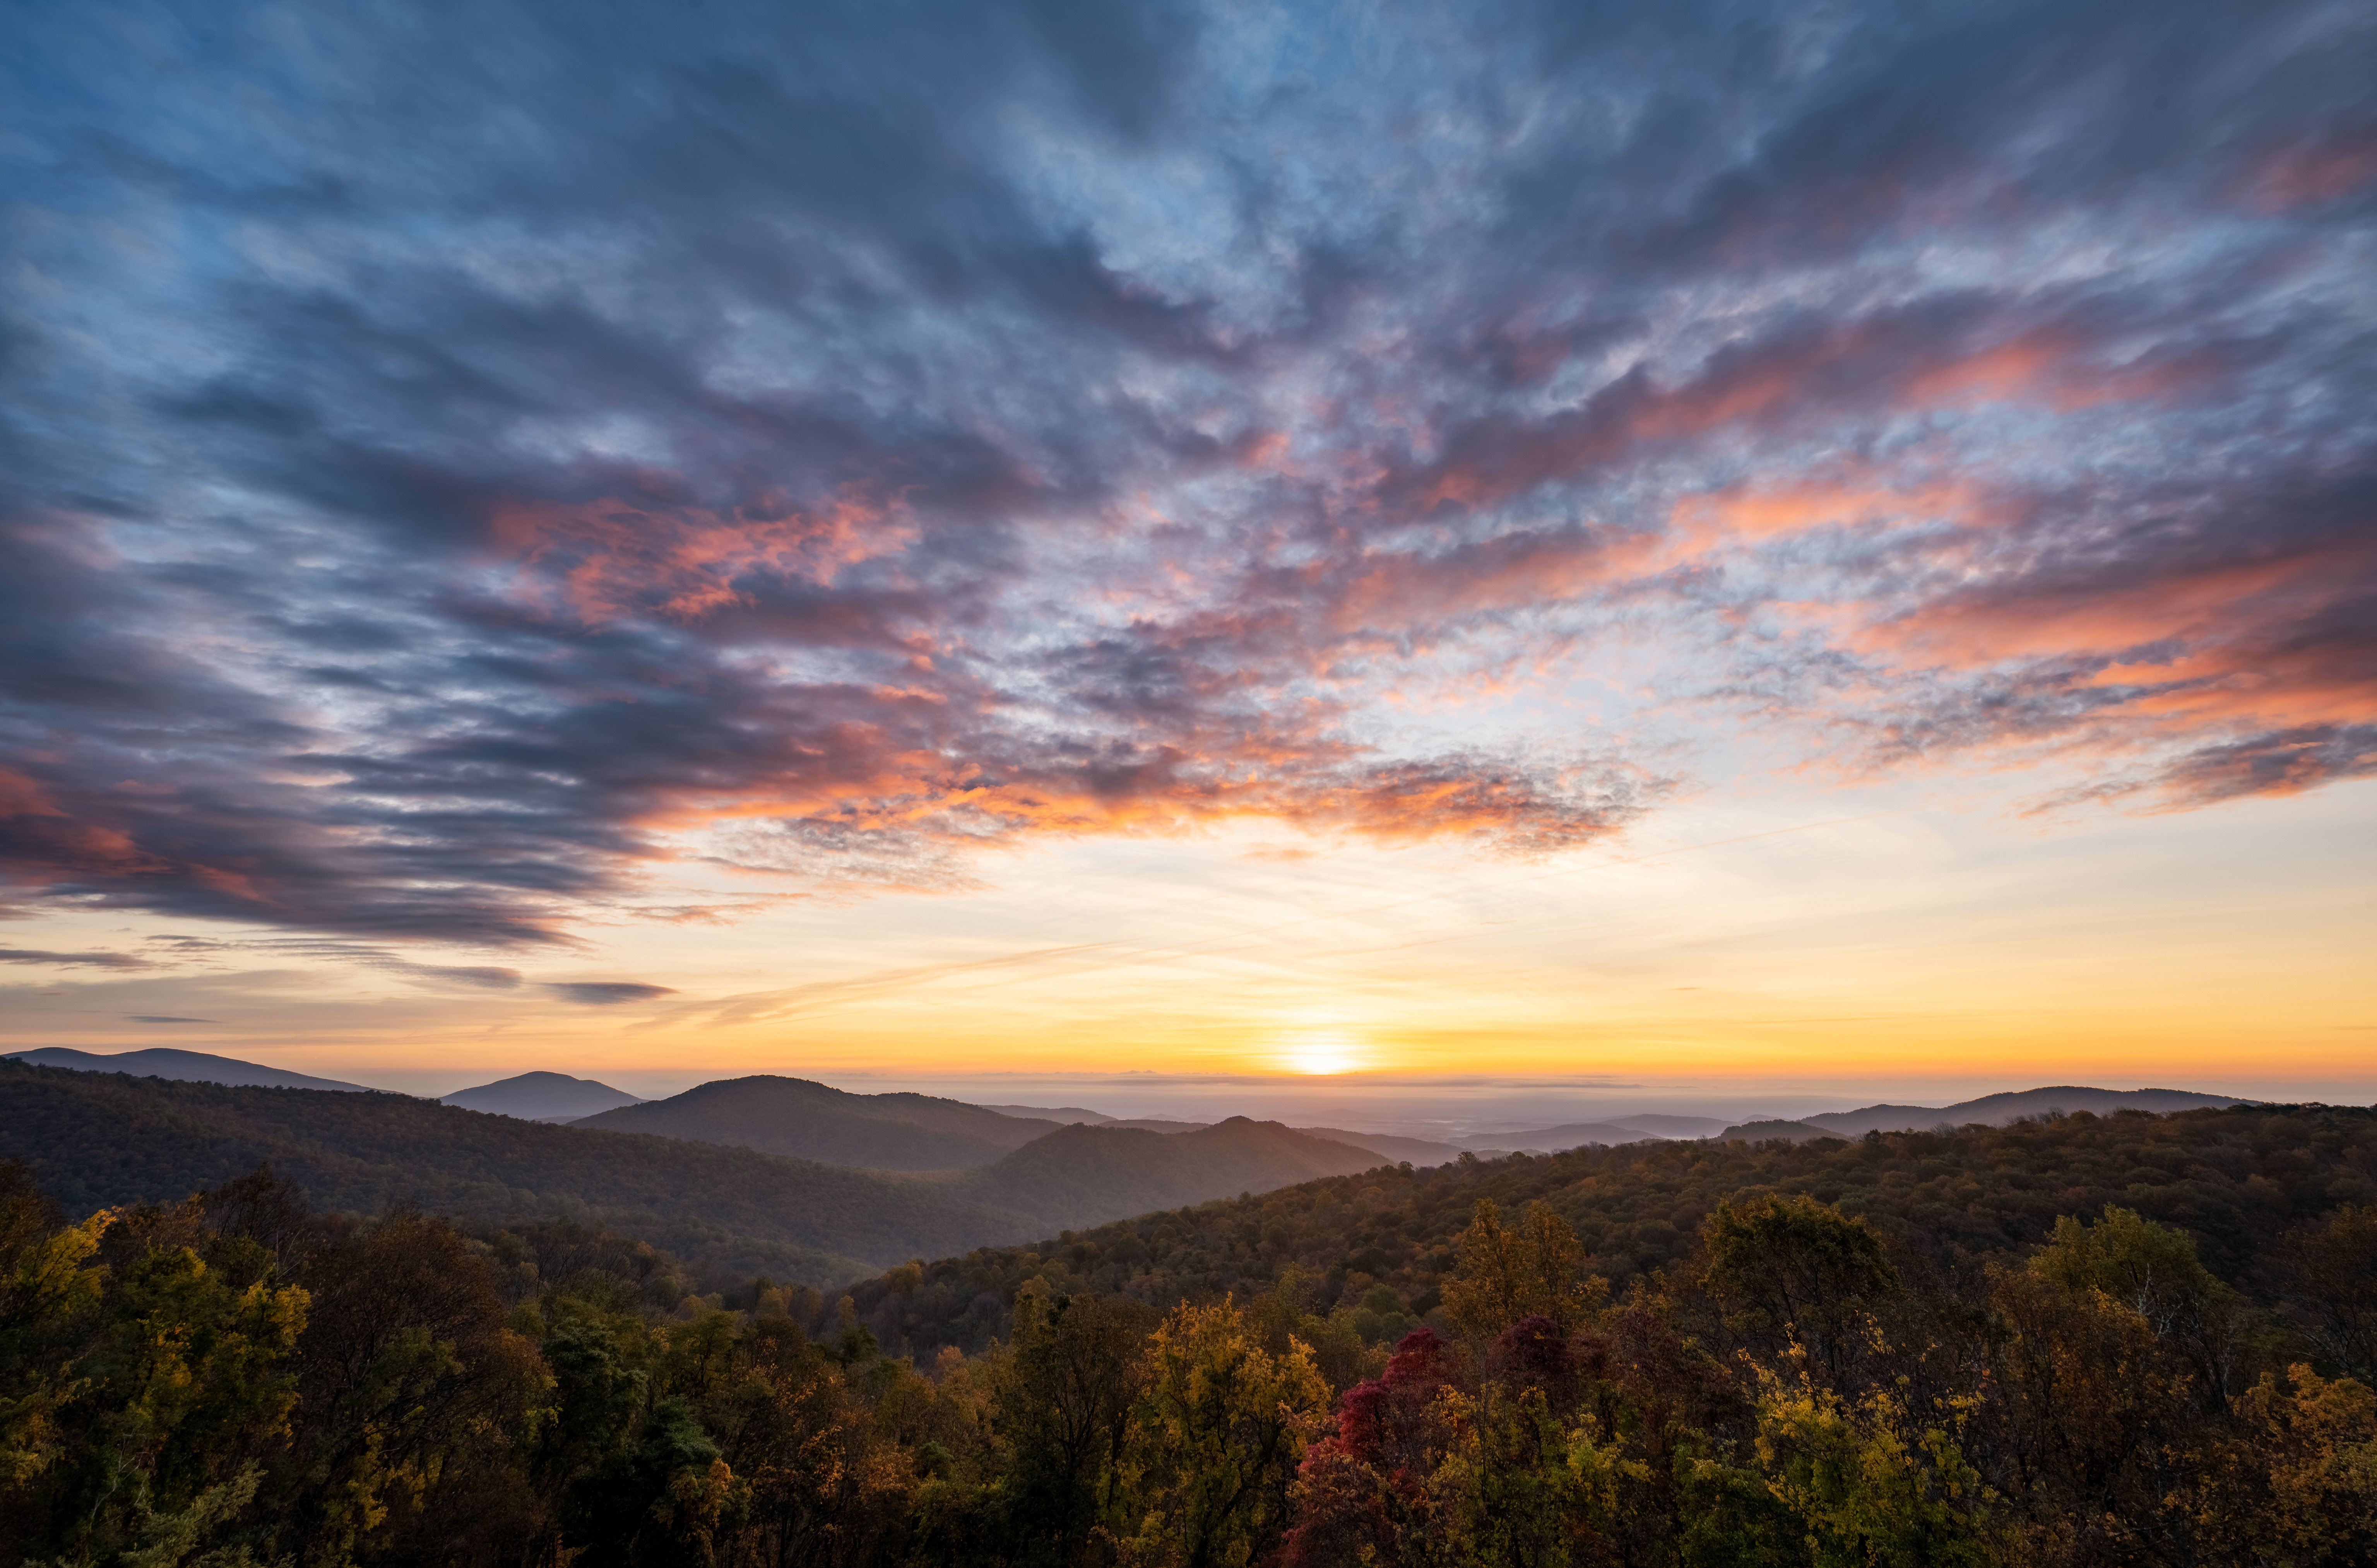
column 1790, row 1269
column 1508, row 1272
column 1216, row 1440
column 1064, row 1398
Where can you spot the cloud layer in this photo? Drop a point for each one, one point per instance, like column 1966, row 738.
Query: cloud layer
column 455, row 462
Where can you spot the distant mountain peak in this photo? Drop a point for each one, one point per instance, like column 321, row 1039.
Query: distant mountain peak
column 542, row 1097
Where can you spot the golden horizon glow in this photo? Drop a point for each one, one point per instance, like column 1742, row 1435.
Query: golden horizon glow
column 1781, row 942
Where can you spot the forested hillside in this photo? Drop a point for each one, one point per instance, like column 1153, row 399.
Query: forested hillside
column 1083, row 1175
column 98, row 1138
column 814, row 1121
column 729, row 1211
column 1915, row 1350
column 1954, row 1202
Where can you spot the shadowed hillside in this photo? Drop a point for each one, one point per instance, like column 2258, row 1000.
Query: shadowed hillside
column 811, row 1121
column 178, row 1066
column 100, row 1138
column 542, row 1097
column 1080, row 1175
column 1996, row 1110
column 1383, row 1239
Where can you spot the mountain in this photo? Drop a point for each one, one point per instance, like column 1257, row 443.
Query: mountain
column 98, row 1139
column 1083, row 1175
column 1570, row 1135
column 1964, row 1198
column 1059, row 1114
column 1418, row 1151
column 182, row 1067
column 542, row 1097
column 812, row 1121
column 1996, row 1110
column 1671, row 1126
column 1759, row 1132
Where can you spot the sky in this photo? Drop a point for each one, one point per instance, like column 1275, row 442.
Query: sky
column 1539, row 555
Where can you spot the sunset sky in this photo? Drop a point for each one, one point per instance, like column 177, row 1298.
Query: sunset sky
column 1221, row 555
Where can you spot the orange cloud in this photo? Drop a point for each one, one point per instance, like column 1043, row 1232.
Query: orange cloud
column 617, row 559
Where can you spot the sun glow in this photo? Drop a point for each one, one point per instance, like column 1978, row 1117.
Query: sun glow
column 1320, row 1052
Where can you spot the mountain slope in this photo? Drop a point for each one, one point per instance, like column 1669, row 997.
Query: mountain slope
column 1083, row 1175
column 1759, row 1132
column 1996, row 1110
column 2235, row 1180
column 541, row 1097
column 1671, row 1126
column 1058, row 1114
column 1394, row 1149
column 812, row 1121
column 181, row 1067
column 98, row 1139
column 1568, row 1135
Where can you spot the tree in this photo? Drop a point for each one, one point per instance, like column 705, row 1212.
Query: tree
column 2330, row 1274
column 1506, row 1273
column 1216, row 1440
column 1873, row 1483
column 1364, row 1492
column 408, row 1367
column 48, row 1286
column 2153, row 1270
column 188, row 1390
column 1063, row 1404
column 1792, row 1270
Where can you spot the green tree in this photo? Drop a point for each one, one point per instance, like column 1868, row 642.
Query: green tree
column 1790, row 1269
column 2330, row 1272
column 49, row 1287
column 190, row 1390
column 2151, row 1269
column 1063, row 1403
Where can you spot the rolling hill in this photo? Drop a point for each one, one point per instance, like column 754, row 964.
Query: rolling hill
column 1759, row 1132
column 811, row 1121
column 542, row 1097
column 97, row 1139
column 181, row 1067
column 1568, row 1135
column 1394, row 1150
column 1077, row 1173
column 1997, row 1111
column 2235, row 1180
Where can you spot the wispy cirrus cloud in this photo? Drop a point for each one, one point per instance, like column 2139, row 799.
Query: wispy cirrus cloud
column 836, row 445
column 87, row 960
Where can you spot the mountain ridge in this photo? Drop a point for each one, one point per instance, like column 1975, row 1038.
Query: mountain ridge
column 805, row 1119
column 542, row 1097
column 179, row 1066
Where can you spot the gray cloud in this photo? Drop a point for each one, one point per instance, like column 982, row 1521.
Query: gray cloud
column 451, row 464
column 607, row 993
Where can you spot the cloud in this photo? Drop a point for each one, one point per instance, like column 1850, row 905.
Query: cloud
column 607, row 993
column 835, row 446
column 92, row 960
column 159, row 1018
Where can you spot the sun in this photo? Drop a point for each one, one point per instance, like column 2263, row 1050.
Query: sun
column 1320, row 1052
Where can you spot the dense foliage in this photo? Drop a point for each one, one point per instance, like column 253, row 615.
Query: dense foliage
column 99, row 1138
column 2232, row 1179
column 727, row 1209
column 1988, row 1362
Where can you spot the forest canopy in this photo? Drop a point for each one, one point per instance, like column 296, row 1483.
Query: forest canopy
column 2127, row 1340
